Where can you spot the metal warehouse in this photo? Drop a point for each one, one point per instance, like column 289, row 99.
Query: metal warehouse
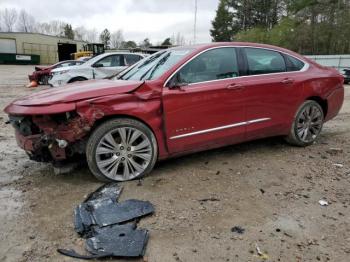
column 35, row 48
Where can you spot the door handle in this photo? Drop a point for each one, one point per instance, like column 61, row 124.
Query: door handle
column 235, row 87
column 287, row 81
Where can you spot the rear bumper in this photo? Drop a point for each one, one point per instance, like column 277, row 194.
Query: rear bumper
column 335, row 101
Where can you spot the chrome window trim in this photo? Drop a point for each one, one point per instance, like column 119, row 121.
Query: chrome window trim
column 303, row 69
column 222, row 127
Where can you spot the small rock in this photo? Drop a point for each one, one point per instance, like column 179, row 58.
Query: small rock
column 323, row 202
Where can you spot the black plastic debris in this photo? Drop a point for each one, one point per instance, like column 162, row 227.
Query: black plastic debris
column 238, row 230
column 119, row 240
column 109, row 226
column 104, row 212
column 111, row 191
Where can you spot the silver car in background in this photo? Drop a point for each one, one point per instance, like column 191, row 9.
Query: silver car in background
column 98, row 67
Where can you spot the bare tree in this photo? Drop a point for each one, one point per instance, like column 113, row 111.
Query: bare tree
column 180, row 39
column 92, row 36
column 8, row 19
column 117, row 39
column 80, row 33
column 54, row 27
column 26, row 22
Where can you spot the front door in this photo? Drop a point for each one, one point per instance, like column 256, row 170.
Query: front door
column 108, row 66
column 208, row 110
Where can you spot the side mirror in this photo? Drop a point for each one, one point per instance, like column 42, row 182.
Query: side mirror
column 98, row 65
column 180, row 86
column 175, row 83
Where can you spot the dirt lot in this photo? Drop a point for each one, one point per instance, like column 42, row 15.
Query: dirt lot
column 267, row 187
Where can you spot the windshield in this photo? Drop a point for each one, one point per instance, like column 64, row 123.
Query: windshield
column 155, row 65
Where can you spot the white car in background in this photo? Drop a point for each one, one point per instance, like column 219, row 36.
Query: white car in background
column 98, row 67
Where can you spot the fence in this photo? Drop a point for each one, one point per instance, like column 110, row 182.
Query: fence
column 339, row 62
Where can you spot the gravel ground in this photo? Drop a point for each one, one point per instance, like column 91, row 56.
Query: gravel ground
column 267, row 187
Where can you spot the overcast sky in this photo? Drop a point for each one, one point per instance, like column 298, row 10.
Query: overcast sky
column 156, row 19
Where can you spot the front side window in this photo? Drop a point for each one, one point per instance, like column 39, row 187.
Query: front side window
column 111, row 61
column 262, row 61
column 215, row 64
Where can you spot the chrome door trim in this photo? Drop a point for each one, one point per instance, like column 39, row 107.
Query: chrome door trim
column 221, row 127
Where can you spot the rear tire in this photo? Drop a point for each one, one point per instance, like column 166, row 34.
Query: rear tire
column 121, row 149
column 307, row 124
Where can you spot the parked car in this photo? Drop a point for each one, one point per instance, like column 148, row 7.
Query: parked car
column 179, row 101
column 84, row 58
column 347, row 76
column 98, row 67
column 42, row 73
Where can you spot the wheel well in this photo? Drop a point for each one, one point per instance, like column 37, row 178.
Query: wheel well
column 323, row 103
column 77, row 78
column 106, row 118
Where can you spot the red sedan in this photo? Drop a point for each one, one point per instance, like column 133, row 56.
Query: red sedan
column 42, row 73
column 179, row 101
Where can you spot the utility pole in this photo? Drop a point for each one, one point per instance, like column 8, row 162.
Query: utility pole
column 195, row 22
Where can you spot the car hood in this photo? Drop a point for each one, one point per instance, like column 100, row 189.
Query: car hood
column 66, row 68
column 78, row 91
column 40, row 68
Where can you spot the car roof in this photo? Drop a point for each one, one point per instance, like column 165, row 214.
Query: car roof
column 201, row 47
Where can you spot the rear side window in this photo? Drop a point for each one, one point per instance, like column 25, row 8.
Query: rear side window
column 219, row 63
column 132, row 59
column 262, row 61
column 293, row 64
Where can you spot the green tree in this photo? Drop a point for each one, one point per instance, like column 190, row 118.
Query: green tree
column 167, row 42
column 145, row 43
column 68, row 31
column 105, row 38
column 222, row 25
column 128, row 44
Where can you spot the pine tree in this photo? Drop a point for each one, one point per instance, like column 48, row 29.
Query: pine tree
column 68, row 31
column 222, row 28
column 105, row 38
column 167, row 42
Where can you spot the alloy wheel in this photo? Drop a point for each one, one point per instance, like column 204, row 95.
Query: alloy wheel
column 309, row 123
column 123, row 153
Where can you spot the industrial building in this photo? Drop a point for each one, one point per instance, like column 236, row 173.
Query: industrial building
column 35, row 48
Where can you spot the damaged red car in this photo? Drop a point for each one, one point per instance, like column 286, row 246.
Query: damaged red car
column 179, row 101
column 42, row 73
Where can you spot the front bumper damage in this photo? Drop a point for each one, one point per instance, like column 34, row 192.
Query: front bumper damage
column 47, row 138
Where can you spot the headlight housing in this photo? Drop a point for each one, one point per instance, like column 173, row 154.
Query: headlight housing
column 60, row 72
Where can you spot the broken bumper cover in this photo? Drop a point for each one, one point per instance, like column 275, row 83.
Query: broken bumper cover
column 37, row 148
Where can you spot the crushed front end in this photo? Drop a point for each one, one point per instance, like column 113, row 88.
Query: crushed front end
column 51, row 138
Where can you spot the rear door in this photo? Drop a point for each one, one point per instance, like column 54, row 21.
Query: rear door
column 272, row 90
column 131, row 59
column 208, row 109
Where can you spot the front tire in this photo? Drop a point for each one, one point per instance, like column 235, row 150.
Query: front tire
column 77, row 79
column 121, row 149
column 307, row 124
